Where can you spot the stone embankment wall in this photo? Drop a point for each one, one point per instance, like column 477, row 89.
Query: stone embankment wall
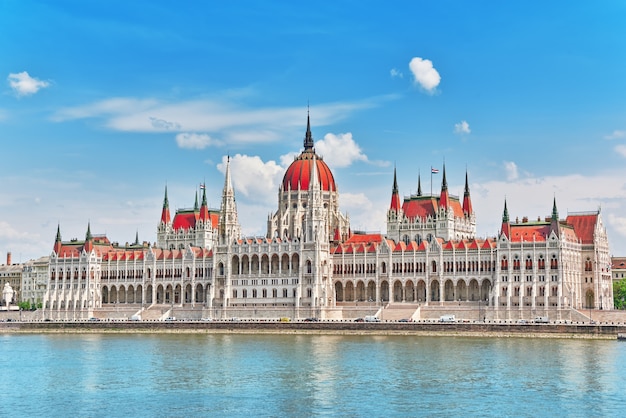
column 608, row 331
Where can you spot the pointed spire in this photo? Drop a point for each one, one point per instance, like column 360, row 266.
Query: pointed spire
column 195, row 205
column 57, row 242
column 88, row 239
column 467, row 201
column 229, row 227
column 419, row 184
column 136, row 238
column 505, row 214
column 204, row 209
column 444, row 199
column 395, row 182
column 554, row 224
column 506, row 225
column 308, row 138
column 88, row 236
column 165, row 213
column 395, row 195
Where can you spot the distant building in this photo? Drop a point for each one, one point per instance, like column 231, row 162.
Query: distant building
column 311, row 263
column 34, row 280
column 12, row 274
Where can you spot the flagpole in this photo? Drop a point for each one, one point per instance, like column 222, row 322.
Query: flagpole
column 431, row 180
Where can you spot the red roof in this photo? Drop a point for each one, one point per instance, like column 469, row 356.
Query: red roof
column 186, row 219
column 424, row 206
column 364, row 238
column 584, row 226
column 297, row 176
column 529, row 232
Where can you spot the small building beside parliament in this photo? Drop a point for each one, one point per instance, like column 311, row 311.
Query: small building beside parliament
column 311, row 263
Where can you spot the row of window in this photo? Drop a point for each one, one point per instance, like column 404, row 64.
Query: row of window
column 554, row 290
column 254, row 293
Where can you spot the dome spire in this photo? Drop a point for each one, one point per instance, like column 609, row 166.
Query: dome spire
column 308, row 138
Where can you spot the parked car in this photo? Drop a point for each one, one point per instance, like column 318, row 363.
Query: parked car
column 359, row 320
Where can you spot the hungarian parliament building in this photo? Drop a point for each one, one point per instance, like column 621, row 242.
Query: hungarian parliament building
column 311, row 263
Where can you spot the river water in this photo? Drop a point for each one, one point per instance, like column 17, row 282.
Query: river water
column 189, row 375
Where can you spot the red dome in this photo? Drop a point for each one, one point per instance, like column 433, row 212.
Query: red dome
column 298, row 174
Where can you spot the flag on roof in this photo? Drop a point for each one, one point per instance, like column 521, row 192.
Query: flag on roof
column 202, row 186
column 434, row 170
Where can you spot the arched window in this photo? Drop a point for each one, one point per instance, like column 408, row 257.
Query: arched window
column 434, row 266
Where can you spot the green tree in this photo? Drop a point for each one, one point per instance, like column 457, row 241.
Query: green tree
column 25, row 305
column 619, row 294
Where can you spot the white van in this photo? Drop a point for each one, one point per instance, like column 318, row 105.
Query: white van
column 447, row 318
column 371, row 318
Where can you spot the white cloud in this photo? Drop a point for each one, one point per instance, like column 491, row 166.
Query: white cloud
column 25, row 85
column 195, row 141
column 229, row 121
column 616, row 135
column 395, row 73
column 621, row 149
column 512, row 173
column 253, row 178
column 462, row 128
column 339, row 150
column 425, row 74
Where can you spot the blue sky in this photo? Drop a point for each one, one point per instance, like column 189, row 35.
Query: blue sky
column 103, row 103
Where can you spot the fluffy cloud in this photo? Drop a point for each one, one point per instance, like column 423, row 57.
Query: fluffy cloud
column 253, row 178
column 616, row 135
column 395, row 73
column 462, row 128
column 195, row 141
column 621, row 149
column 425, row 74
column 25, row 85
column 512, row 173
column 339, row 150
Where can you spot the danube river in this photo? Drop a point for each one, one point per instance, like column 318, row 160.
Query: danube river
column 189, row 375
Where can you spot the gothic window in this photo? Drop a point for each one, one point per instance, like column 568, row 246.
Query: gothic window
column 504, row 264
column 516, row 263
column 554, row 262
column 529, row 262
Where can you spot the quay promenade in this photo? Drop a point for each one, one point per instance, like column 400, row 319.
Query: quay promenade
column 344, row 327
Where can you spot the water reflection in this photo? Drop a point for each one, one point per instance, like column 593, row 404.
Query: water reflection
column 307, row 375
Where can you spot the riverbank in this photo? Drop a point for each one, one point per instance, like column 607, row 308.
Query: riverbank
column 499, row 330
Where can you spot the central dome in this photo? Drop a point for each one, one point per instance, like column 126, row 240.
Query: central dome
column 298, row 175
